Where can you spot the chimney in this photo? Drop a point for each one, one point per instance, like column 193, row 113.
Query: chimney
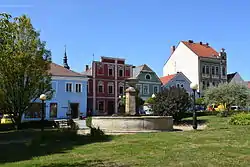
column 87, row 68
column 200, row 43
column 172, row 49
column 190, row 41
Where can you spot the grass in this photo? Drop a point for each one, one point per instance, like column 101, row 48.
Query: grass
column 220, row 145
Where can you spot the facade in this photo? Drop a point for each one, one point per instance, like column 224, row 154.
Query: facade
column 199, row 62
column 70, row 95
column 176, row 80
column 235, row 78
column 248, row 84
column 148, row 82
column 106, row 83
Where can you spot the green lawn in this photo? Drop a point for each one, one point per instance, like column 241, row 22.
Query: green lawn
column 218, row 145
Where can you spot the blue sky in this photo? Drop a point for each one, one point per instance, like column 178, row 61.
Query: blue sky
column 142, row 31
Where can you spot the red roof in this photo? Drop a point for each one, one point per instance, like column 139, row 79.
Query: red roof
column 202, row 50
column 166, row 79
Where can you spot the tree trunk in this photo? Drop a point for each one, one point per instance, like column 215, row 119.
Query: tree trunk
column 18, row 122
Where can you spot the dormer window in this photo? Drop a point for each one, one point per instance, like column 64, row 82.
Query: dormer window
column 148, row 77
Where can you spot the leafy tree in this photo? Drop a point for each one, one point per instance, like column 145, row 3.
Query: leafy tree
column 228, row 95
column 150, row 100
column 172, row 102
column 25, row 63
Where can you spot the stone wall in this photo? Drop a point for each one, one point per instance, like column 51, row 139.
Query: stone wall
column 133, row 124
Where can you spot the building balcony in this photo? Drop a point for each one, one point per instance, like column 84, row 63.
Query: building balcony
column 205, row 75
column 215, row 76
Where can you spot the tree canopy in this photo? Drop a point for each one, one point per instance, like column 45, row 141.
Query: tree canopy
column 172, row 102
column 228, row 94
column 25, row 63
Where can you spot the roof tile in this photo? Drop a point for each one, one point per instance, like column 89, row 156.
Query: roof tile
column 201, row 50
column 166, row 79
column 57, row 70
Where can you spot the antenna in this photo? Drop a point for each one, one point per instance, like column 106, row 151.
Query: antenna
column 93, row 57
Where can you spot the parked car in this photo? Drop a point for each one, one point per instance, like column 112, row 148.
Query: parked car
column 6, row 119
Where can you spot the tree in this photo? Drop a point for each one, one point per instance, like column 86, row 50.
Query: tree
column 24, row 68
column 227, row 94
column 172, row 102
column 150, row 100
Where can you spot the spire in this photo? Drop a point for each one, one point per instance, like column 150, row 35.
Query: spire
column 65, row 59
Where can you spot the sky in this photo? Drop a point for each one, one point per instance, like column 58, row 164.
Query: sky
column 141, row 31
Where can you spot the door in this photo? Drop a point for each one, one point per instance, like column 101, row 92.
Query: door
column 74, row 110
column 111, row 107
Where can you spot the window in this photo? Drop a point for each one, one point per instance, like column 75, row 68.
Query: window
column 156, row 90
column 110, row 89
column 110, row 71
column 68, row 87
column 53, row 110
column 145, row 89
column 207, row 70
column 178, row 85
column 208, row 84
column 78, row 88
column 182, row 86
column 148, row 76
column 213, row 83
column 217, row 71
column 100, row 87
column 223, row 71
column 121, row 90
column 101, row 106
column 120, row 73
column 203, row 69
column 213, row 72
column 203, row 84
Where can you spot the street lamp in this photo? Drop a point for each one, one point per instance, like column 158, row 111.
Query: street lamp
column 194, row 87
column 42, row 98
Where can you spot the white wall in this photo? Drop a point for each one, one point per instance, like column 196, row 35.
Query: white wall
column 185, row 61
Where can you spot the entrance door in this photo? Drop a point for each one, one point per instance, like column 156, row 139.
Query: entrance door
column 111, row 107
column 74, row 110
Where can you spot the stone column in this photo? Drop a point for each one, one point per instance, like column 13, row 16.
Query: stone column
column 130, row 107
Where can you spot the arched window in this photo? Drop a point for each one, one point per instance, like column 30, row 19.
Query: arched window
column 148, row 76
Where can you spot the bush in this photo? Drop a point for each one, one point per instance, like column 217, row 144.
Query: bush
column 89, row 122
column 172, row 102
column 96, row 132
column 240, row 119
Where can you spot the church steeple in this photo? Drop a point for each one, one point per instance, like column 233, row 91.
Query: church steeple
column 65, row 59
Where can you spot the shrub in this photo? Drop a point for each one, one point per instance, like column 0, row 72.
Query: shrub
column 89, row 122
column 172, row 102
column 240, row 119
column 96, row 132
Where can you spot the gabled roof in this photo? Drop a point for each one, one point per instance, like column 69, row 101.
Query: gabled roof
column 57, row 70
column 201, row 50
column 166, row 79
column 137, row 70
column 230, row 76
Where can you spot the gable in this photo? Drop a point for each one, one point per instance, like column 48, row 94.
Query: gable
column 153, row 77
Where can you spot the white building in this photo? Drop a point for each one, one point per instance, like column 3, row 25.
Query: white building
column 199, row 62
column 176, row 80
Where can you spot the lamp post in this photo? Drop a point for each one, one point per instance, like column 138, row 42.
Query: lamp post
column 194, row 87
column 42, row 98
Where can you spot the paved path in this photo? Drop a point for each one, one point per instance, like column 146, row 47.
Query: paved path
column 188, row 127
